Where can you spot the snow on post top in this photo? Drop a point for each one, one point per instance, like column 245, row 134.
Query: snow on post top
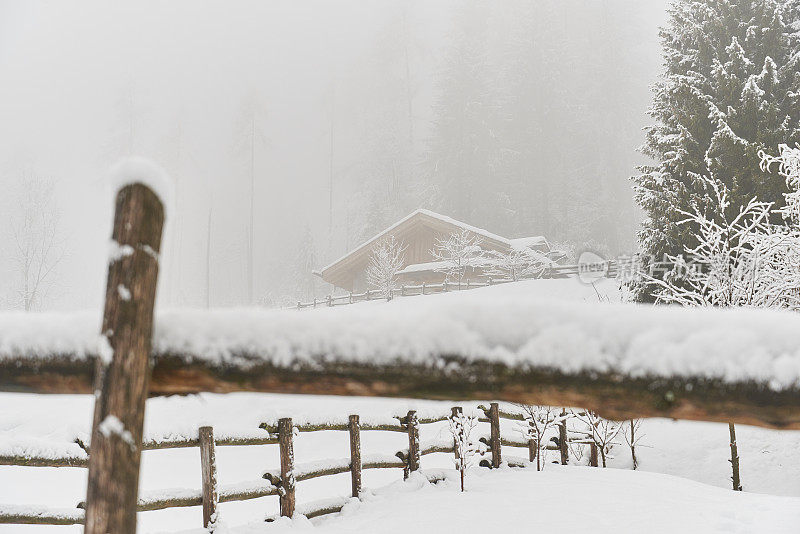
column 139, row 170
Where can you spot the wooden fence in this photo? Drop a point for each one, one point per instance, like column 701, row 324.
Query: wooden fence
column 126, row 370
column 282, row 482
column 557, row 271
column 402, row 291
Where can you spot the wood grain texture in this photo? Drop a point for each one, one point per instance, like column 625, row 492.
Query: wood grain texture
column 287, row 493
column 455, row 413
column 42, row 516
column 121, row 385
column 563, row 448
column 412, row 425
column 208, row 468
column 613, row 395
column 355, row 456
column 494, row 421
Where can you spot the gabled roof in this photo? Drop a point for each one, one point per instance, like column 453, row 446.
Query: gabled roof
column 423, row 214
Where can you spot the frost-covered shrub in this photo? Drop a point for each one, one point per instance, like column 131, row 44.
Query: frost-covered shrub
column 458, row 252
column 466, row 449
column 740, row 259
column 386, row 260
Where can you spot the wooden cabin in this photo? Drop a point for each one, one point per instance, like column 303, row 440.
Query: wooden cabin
column 419, row 232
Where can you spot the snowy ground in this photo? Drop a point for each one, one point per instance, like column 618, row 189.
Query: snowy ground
column 696, row 451
column 571, row 499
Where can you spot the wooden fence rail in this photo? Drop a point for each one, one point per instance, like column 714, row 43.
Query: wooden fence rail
column 557, row 271
column 612, row 394
column 280, row 482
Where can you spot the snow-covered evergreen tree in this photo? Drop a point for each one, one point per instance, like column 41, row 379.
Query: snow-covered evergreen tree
column 741, row 258
column 730, row 88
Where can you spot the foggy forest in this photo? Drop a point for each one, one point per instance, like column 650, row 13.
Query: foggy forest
column 296, row 131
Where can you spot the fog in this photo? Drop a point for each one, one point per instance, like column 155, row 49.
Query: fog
column 341, row 117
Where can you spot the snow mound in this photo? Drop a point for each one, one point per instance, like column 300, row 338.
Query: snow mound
column 500, row 501
column 139, row 170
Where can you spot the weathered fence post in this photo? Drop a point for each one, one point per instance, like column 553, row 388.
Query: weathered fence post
column 532, row 450
column 455, row 412
column 329, row 301
column 208, row 466
column 122, row 371
column 494, row 420
column 737, row 485
column 562, row 439
column 355, row 455
column 423, row 288
column 412, row 423
column 285, row 437
column 593, row 454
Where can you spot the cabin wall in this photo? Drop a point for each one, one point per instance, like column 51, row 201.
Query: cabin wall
column 420, row 239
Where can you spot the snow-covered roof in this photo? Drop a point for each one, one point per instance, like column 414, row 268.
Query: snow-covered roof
column 423, row 267
column 134, row 170
column 516, row 243
column 430, row 266
column 526, row 242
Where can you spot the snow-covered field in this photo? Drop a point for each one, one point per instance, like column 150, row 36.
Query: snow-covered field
column 572, row 499
column 698, row 452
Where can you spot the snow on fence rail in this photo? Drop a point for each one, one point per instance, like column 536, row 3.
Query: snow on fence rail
column 623, row 361
column 273, row 481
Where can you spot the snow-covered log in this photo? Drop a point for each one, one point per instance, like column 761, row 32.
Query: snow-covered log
column 624, row 361
column 182, row 497
column 40, row 515
column 168, row 498
column 330, row 425
column 44, row 461
column 322, row 468
column 223, row 441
